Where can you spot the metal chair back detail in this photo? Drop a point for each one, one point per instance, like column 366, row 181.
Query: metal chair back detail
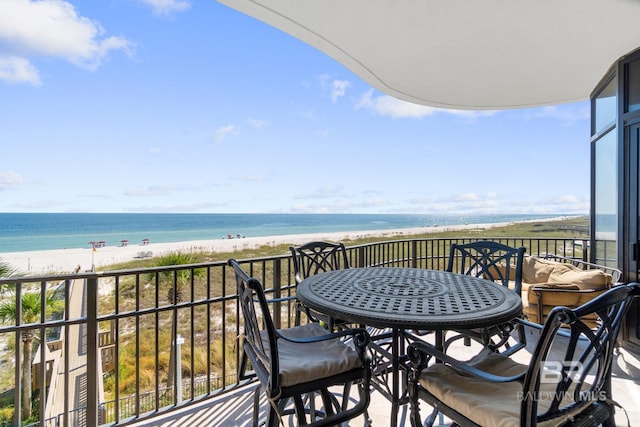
column 301, row 363
column 501, row 264
column 491, row 260
column 313, row 258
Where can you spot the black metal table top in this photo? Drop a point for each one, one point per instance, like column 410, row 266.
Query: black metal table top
column 409, row 298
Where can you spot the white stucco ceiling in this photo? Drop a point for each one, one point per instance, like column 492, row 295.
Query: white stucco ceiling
column 465, row 54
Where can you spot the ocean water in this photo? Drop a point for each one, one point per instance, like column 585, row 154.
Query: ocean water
column 42, row 231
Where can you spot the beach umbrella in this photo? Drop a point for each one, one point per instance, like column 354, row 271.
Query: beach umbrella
column 465, row 54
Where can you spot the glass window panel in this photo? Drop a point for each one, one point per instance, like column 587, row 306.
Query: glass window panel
column 606, row 189
column 605, row 107
column 634, row 86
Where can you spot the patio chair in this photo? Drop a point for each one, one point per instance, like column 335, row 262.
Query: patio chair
column 300, row 363
column 501, row 264
column 313, row 258
column 567, row 380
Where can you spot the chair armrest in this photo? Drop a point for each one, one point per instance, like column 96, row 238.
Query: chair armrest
column 540, row 327
column 281, row 299
column 420, row 353
column 529, row 324
column 360, row 336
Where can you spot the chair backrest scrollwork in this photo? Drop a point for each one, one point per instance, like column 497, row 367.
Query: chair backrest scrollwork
column 317, row 257
column 491, row 260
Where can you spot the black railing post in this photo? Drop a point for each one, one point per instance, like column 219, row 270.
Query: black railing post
column 92, row 350
column 585, row 251
column 414, row 254
column 17, row 395
column 277, row 291
column 361, row 257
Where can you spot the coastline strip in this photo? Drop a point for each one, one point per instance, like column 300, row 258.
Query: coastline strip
column 68, row 260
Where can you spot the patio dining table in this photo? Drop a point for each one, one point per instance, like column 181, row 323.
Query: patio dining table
column 403, row 299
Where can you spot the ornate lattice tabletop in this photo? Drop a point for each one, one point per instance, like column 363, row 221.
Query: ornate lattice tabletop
column 409, row 298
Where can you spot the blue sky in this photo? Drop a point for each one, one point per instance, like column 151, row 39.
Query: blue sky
column 185, row 106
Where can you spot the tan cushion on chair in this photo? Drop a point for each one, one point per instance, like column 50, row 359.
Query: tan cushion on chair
column 300, row 363
column 485, row 403
column 552, row 295
column 551, row 298
column 536, row 270
column 583, row 279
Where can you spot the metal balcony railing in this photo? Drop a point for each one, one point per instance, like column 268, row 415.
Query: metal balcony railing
column 122, row 346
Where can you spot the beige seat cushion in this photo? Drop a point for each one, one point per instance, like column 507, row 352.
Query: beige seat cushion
column 300, row 363
column 485, row 403
column 583, row 279
column 561, row 295
column 536, row 270
column 553, row 295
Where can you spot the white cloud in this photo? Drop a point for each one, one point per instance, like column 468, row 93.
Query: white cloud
column 166, row 7
column 375, row 202
column 258, row 124
column 175, row 208
column 336, row 207
column 224, row 131
column 567, row 199
column 466, row 197
column 338, row 89
column 322, row 193
column 10, row 180
column 386, row 105
column 51, row 28
column 463, row 203
column 567, row 114
column 14, row 69
column 148, row 191
column 308, row 114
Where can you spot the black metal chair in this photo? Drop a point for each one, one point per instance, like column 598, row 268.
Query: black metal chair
column 300, row 363
column 313, row 258
column 501, row 264
column 567, row 380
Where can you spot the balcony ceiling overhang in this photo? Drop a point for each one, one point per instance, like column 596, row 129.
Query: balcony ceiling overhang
column 465, row 54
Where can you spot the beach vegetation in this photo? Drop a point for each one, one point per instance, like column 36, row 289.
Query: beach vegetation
column 30, row 313
column 6, row 410
column 177, row 281
column 7, row 270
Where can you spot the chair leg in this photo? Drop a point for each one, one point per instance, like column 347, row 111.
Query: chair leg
column 300, row 410
column 346, row 391
column 297, row 314
column 414, row 404
column 256, row 405
column 329, row 401
column 311, row 398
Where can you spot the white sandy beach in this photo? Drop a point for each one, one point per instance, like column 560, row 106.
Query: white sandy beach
column 68, row 260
